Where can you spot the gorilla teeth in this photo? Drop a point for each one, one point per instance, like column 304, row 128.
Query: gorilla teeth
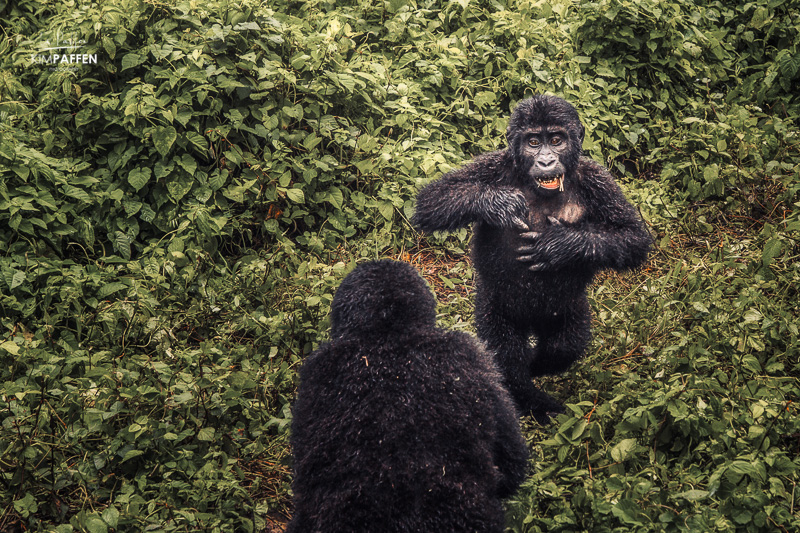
column 552, row 183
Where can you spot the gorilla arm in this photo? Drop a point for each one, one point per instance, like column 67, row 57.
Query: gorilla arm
column 494, row 413
column 510, row 449
column 471, row 193
column 610, row 235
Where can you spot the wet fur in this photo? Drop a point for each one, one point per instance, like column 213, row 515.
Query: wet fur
column 400, row 426
column 596, row 229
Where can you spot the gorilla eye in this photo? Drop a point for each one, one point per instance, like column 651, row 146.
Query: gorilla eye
column 555, row 141
column 534, row 142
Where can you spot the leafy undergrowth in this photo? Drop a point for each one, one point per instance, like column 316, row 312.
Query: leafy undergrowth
column 684, row 417
column 175, row 218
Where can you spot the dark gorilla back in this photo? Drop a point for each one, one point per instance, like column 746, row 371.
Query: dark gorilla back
column 400, row 426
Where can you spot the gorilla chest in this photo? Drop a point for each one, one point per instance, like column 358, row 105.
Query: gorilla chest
column 564, row 206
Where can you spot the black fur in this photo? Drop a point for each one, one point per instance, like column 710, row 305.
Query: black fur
column 532, row 277
column 400, row 426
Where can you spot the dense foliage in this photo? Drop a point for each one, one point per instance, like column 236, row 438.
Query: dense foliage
column 175, row 216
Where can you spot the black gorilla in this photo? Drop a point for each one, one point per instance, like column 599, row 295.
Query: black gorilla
column 400, row 426
column 546, row 220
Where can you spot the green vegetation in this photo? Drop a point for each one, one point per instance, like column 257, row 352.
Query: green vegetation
column 175, row 217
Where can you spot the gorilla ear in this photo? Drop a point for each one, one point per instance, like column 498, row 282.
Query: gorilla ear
column 510, row 136
column 581, row 133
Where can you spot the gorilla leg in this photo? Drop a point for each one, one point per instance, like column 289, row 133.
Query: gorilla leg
column 514, row 355
column 562, row 340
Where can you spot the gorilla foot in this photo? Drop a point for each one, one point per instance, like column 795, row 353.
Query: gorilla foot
column 543, row 407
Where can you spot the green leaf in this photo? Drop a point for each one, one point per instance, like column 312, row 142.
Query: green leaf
column 26, row 505
column 17, row 279
column 138, row 177
column 693, row 494
column 623, row 449
column 742, row 516
column 606, row 72
column 131, row 60
column 751, row 362
column 130, row 454
column 188, row 163
column 163, row 139
column 578, row 430
column 485, row 98
column 311, row 141
column 178, row 186
column 110, row 288
column 77, row 193
column 335, row 197
column 753, row 316
column 206, row 434
column 109, row 46
column 760, row 17
column 131, row 207
column 163, row 169
column 122, row 243
column 197, row 141
column 95, row 524
column 217, row 179
column 386, row 209
column 628, row 512
column 710, row 173
column 111, row 516
column 11, row 347
column 296, row 195
column 183, row 397
column 247, row 26
column 295, row 111
column 771, row 250
column 83, row 117
column 299, row 61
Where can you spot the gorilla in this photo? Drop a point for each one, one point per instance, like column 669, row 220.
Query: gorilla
column 546, row 220
column 399, row 426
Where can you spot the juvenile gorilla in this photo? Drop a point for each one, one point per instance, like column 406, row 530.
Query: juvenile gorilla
column 400, row 426
column 546, row 220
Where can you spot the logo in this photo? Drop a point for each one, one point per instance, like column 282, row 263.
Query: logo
column 63, row 54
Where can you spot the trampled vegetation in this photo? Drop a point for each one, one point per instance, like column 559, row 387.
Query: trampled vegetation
column 175, row 217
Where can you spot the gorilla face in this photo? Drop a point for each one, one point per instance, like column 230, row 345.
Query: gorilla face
column 542, row 150
column 546, row 136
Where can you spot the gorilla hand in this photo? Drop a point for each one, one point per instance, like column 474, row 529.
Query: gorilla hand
column 548, row 249
column 505, row 207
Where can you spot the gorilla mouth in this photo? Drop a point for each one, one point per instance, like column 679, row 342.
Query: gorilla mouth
column 551, row 182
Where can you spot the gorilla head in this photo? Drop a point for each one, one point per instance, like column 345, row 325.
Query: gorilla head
column 380, row 296
column 546, row 136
